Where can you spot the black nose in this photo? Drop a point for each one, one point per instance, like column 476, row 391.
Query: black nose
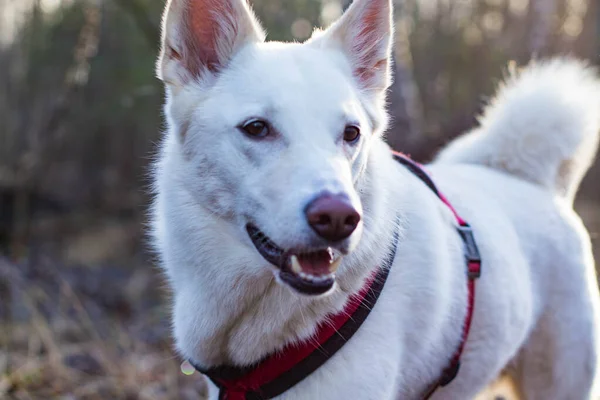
column 332, row 217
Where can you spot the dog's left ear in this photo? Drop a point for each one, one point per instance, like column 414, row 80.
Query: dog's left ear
column 364, row 33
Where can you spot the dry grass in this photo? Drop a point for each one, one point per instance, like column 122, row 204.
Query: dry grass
column 102, row 332
column 61, row 343
column 61, row 350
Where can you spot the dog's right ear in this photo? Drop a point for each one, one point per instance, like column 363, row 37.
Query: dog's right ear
column 199, row 37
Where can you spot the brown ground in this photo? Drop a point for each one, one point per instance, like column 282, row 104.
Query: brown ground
column 88, row 329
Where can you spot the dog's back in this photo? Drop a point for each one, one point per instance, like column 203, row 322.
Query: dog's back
column 277, row 198
column 536, row 140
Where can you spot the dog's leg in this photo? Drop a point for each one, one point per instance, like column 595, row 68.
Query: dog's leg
column 555, row 364
column 560, row 359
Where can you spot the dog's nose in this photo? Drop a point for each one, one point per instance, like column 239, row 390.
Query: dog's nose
column 332, row 217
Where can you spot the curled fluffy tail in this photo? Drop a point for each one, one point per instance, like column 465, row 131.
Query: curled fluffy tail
column 543, row 126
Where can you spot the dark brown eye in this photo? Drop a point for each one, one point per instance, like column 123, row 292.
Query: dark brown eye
column 256, row 129
column 351, row 133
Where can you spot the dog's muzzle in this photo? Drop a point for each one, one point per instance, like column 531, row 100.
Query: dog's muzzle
column 309, row 272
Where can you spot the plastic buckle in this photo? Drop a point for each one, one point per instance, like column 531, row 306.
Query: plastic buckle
column 471, row 251
column 450, row 374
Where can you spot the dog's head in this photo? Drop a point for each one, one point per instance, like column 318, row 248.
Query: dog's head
column 276, row 137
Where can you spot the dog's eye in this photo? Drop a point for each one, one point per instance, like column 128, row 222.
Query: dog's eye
column 351, row 133
column 256, row 129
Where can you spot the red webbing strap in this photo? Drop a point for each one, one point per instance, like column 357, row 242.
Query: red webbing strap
column 452, row 370
column 274, row 366
column 473, row 260
column 284, row 369
column 473, row 273
column 248, row 385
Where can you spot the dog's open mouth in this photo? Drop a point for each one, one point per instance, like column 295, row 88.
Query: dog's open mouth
column 308, row 272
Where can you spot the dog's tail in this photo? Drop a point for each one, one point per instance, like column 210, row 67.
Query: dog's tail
column 543, row 126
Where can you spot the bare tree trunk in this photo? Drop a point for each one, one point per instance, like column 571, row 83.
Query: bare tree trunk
column 542, row 12
column 42, row 136
column 405, row 96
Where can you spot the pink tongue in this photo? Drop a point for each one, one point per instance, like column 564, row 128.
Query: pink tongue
column 316, row 263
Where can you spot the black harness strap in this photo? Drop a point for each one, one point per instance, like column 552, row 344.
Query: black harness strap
column 225, row 377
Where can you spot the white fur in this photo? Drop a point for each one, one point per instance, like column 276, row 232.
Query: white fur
column 542, row 126
column 537, row 301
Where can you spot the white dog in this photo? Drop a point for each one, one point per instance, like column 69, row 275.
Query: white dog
column 278, row 200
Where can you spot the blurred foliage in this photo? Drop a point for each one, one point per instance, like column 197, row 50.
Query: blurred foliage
column 80, row 116
column 83, row 111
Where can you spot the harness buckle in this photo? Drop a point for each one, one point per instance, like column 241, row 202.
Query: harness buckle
column 471, row 250
column 450, row 374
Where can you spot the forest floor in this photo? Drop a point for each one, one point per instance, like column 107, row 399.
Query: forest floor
column 84, row 328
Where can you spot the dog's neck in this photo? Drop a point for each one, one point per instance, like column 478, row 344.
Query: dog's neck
column 226, row 318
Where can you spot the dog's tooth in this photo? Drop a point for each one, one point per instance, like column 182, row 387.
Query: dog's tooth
column 296, row 267
column 335, row 265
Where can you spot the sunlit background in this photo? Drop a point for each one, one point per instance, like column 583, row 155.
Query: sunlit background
column 83, row 311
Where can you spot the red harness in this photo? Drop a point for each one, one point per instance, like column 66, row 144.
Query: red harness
column 280, row 371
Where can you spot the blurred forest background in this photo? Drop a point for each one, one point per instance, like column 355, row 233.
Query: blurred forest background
column 82, row 306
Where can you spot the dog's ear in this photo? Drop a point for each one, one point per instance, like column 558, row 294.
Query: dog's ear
column 199, row 37
column 364, row 33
